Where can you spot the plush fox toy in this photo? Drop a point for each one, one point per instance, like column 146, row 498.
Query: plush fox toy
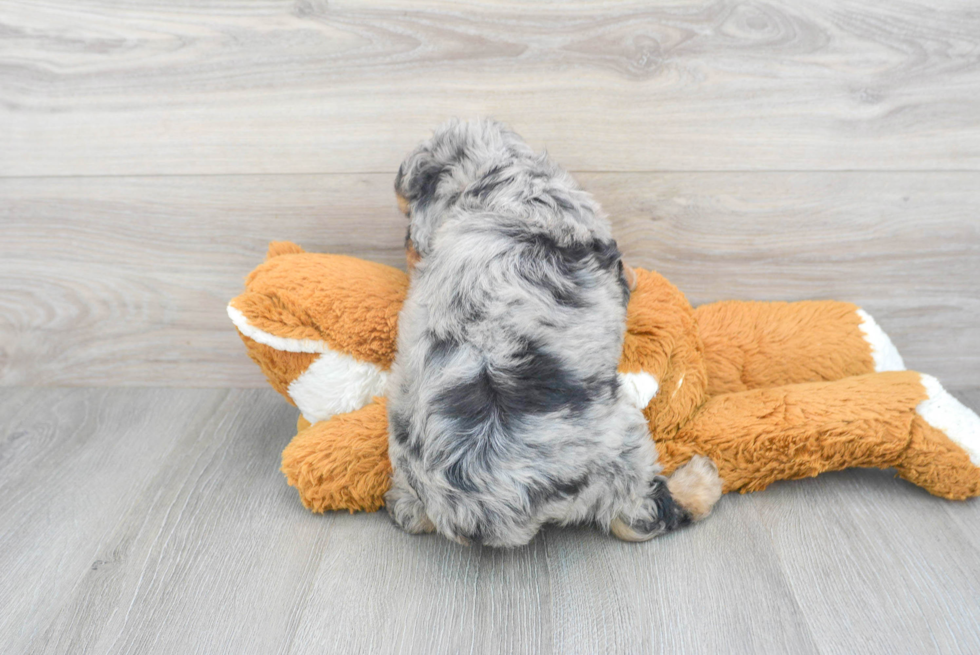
column 768, row 391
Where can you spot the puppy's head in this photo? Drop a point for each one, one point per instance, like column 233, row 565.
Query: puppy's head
column 432, row 177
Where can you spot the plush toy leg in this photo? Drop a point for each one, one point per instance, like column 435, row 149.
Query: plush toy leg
column 943, row 456
column 878, row 420
column 341, row 463
column 753, row 345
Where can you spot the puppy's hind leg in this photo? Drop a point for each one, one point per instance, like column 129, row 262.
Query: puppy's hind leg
column 687, row 496
column 696, row 486
column 405, row 507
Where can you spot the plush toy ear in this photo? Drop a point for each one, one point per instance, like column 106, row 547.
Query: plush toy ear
column 321, row 327
column 277, row 248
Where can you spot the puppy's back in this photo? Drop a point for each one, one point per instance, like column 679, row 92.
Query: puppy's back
column 504, row 403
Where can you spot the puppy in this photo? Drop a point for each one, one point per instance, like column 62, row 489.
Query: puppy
column 504, row 406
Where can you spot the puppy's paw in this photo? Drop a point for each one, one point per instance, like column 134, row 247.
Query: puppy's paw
column 656, row 514
column 407, row 510
column 621, row 529
column 696, row 486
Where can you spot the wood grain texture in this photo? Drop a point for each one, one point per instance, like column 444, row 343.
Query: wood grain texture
column 423, row 594
column 714, row 588
column 156, row 521
column 123, row 281
column 876, row 565
column 203, row 560
column 89, row 87
column 140, row 269
column 71, row 463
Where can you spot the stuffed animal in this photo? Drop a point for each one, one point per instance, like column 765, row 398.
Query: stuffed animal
column 768, row 391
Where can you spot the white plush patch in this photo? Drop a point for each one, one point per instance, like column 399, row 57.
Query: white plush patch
column 333, row 384
column 944, row 412
column 336, row 383
column 640, row 387
column 883, row 351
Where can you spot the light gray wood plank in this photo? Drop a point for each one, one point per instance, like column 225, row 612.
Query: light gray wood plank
column 716, row 587
column 905, row 247
column 70, row 463
column 382, row 590
column 140, row 269
column 571, row 590
column 124, row 280
column 234, row 86
column 215, row 555
column 875, row 564
column 178, row 534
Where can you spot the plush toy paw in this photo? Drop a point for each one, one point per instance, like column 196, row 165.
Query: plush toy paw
column 948, row 415
column 406, row 508
column 341, row 463
column 943, row 455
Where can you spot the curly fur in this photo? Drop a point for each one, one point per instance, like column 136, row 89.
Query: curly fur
column 505, row 411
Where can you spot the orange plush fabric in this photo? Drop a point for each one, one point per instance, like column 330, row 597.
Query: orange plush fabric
column 662, row 339
column 341, row 463
column 350, row 304
column 769, row 391
column 281, row 367
column 764, row 344
column 822, row 426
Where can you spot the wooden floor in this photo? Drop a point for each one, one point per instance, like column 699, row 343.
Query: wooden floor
column 156, row 521
column 150, row 150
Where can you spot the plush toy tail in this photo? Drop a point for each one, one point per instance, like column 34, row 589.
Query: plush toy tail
column 880, row 420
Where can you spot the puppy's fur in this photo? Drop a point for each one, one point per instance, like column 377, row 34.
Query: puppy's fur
column 504, row 405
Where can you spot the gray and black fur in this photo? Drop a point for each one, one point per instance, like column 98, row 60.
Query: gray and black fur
column 504, row 405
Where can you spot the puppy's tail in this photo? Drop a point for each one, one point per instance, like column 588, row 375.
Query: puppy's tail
column 689, row 495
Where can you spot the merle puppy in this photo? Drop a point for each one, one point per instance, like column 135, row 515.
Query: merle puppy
column 504, row 406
